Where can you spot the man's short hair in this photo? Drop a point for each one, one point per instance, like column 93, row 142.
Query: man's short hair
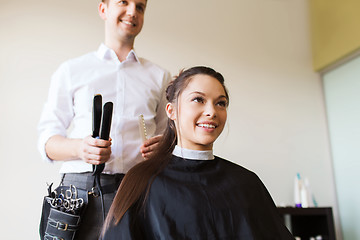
column 106, row 1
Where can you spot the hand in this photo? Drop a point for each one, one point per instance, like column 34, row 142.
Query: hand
column 148, row 147
column 94, row 151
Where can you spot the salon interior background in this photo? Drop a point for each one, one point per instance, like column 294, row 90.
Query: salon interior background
column 277, row 122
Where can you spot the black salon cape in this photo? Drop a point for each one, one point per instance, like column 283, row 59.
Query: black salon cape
column 210, row 199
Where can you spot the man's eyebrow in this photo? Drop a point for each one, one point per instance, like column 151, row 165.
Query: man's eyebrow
column 140, row 4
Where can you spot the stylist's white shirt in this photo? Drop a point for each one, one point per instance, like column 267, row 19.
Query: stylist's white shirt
column 135, row 86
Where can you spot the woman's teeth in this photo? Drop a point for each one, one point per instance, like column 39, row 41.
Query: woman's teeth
column 206, row 125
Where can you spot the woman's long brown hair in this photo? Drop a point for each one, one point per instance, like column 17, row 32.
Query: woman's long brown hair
column 137, row 182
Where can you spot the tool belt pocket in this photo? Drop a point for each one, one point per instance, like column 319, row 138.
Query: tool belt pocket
column 61, row 213
column 61, row 225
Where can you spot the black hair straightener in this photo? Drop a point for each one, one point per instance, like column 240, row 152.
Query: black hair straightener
column 105, row 122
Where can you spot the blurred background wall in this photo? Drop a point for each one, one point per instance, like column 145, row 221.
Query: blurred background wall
column 277, row 123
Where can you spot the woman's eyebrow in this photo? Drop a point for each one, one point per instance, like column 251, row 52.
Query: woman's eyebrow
column 197, row 92
column 222, row 96
column 201, row 93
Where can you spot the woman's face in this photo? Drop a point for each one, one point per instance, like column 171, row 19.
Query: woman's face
column 201, row 113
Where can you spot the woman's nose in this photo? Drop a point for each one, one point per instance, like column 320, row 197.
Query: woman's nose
column 210, row 111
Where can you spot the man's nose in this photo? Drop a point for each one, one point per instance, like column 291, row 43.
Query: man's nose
column 131, row 10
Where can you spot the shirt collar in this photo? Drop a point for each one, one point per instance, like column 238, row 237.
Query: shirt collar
column 193, row 154
column 106, row 53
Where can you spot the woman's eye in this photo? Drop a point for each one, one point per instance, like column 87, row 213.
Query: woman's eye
column 222, row 103
column 198, row 99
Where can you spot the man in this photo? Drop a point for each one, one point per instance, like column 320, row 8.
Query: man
column 134, row 85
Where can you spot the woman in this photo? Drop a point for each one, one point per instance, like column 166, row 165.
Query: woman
column 183, row 191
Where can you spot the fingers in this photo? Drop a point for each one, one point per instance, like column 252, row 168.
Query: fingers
column 146, row 156
column 149, row 146
column 152, row 140
column 95, row 151
column 97, row 142
column 146, row 152
column 95, row 155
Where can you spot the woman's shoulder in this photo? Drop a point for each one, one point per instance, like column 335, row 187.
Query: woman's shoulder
column 231, row 164
column 235, row 168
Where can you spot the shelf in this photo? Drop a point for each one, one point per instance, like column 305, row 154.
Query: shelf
column 309, row 222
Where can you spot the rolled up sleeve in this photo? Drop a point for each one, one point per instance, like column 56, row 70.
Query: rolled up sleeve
column 58, row 110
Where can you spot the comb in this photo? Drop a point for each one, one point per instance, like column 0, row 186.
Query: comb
column 142, row 128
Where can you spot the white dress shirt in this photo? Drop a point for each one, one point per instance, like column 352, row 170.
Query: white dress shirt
column 135, row 86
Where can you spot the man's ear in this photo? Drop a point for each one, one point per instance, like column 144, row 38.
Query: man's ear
column 170, row 111
column 102, row 10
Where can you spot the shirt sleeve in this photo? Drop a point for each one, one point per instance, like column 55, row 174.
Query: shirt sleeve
column 58, row 111
column 161, row 117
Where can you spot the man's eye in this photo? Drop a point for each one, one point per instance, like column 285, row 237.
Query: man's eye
column 140, row 9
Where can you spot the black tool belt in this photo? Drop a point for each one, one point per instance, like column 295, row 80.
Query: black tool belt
column 64, row 206
column 61, row 213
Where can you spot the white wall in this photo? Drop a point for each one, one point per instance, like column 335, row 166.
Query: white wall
column 277, row 124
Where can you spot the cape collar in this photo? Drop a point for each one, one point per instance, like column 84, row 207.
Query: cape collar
column 193, row 154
